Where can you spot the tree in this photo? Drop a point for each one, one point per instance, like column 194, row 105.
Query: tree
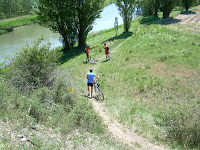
column 147, row 7
column 116, row 25
column 166, row 7
column 126, row 9
column 85, row 14
column 187, row 3
column 156, row 5
column 58, row 16
column 73, row 19
column 13, row 8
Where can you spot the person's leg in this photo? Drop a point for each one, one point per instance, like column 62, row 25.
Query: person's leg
column 91, row 91
column 88, row 91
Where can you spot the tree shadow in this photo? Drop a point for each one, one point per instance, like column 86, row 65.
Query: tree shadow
column 124, row 35
column 149, row 20
column 187, row 12
column 70, row 54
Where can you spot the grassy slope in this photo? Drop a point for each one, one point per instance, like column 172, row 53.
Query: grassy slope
column 150, row 81
column 9, row 24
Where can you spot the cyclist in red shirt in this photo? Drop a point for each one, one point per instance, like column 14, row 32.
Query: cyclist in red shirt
column 87, row 50
column 106, row 51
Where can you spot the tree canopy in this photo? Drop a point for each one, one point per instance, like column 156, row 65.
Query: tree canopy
column 72, row 19
column 13, row 8
column 188, row 3
column 126, row 9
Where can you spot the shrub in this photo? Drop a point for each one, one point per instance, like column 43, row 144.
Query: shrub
column 181, row 127
column 148, row 8
column 31, row 67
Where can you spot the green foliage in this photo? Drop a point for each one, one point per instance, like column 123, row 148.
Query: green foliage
column 147, row 7
column 182, row 126
column 187, row 3
column 13, row 8
column 32, row 66
column 73, row 20
column 126, row 9
column 166, row 6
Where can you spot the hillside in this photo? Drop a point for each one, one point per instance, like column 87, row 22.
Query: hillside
column 151, row 87
column 152, row 82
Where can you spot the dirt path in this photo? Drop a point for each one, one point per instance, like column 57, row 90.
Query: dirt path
column 119, row 131
column 190, row 20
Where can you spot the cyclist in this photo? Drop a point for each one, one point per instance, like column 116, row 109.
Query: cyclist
column 87, row 50
column 90, row 83
column 106, row 51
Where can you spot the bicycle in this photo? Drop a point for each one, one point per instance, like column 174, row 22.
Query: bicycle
column 98, row 91
column 109, row 56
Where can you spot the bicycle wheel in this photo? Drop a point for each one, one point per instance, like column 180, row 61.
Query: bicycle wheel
column 100, row 95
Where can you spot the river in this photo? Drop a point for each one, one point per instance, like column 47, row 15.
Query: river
column 12, row 42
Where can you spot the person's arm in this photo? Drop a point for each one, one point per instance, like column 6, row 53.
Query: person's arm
column 97, row 77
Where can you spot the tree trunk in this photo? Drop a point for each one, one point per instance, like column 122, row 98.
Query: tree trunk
column 65, row 44
column 165, row 14
column 156, row 12
column 126, row 23
column 81, row 37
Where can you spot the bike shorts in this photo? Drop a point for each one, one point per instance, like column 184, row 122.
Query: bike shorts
column 106, row 52
column 87, row 55
column 90, row 84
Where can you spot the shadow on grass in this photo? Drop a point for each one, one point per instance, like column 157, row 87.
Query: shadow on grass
column 124, row 35
column 149, row 20
column 70, row 54
column 104, row 61
column 187, row 12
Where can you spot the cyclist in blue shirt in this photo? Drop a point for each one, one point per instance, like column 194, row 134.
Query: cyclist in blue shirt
column 90, row 83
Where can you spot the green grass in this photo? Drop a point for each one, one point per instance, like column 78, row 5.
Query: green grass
column 152, row 78
column 49, row 114
column 151, row 84
column 8, row 24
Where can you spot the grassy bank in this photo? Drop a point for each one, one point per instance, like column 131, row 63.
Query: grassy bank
column 8, row 25
column 152, row 82
column 41, row 102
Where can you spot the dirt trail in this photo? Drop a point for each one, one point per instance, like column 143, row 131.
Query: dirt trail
column 190, row 20
column 119, row 131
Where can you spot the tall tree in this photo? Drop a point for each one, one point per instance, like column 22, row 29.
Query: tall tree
column 58, row 16
column 84, row 16
column 156, row 4
column 126, row 9
column 73, row 19
column 188, row 3
column 147, row 7
column 13, row 8
column 166, row 7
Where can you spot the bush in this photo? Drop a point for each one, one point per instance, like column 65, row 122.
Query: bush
column 148, row 8
column 32, row 67
column 182, row 127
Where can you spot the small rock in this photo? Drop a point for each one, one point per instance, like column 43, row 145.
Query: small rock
column 20, row 136
column 24, row 139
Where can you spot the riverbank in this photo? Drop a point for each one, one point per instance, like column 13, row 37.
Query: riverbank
column 9, row 25
column 151, row 80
